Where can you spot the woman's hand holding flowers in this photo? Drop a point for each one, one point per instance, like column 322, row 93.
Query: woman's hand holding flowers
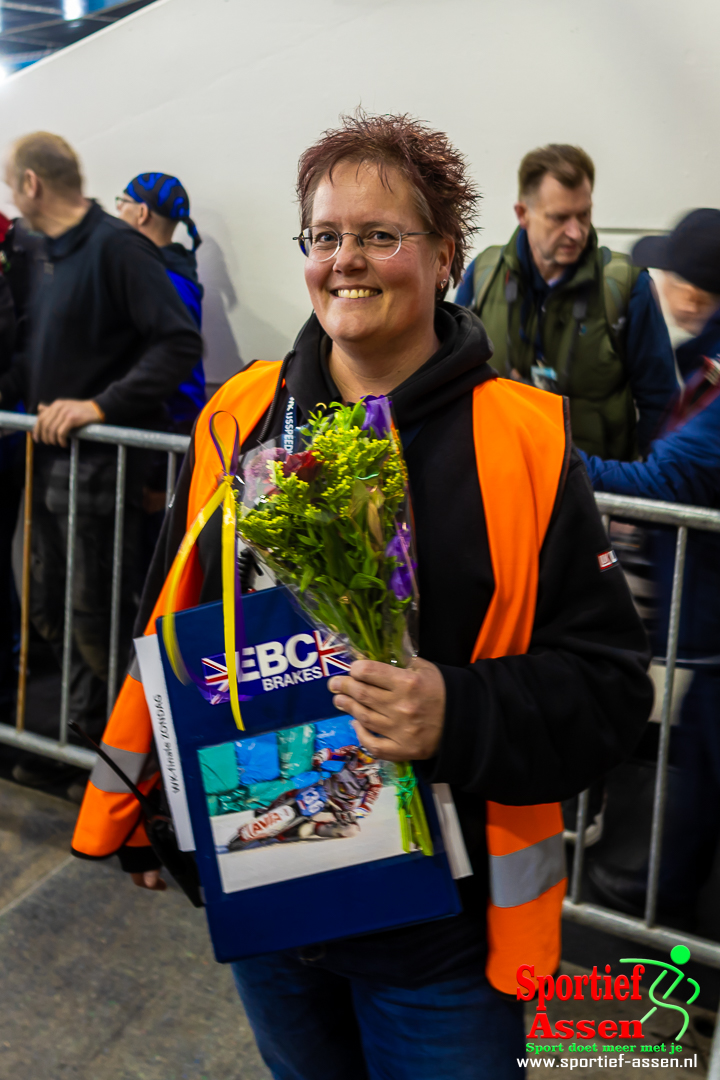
column 398, row 712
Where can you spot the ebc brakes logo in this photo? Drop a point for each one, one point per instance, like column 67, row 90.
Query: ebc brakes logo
column 276, row 665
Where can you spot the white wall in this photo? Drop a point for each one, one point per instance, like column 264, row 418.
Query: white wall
column 226, row 93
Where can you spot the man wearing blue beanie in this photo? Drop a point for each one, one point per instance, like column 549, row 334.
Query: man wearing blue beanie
column 155, row 204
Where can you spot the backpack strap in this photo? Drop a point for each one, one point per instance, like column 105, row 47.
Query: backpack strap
column 483, row 272
column 619, row 277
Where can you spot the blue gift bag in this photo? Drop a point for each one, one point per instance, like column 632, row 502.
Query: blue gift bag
column 319, row 856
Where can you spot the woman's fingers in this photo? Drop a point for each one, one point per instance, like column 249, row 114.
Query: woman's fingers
column 367, row 716
column 386, row 676
column 383, row 749
column 374, row 697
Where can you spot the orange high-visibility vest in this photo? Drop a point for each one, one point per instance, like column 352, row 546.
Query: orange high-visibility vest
column 520, row 448
column 520, row 445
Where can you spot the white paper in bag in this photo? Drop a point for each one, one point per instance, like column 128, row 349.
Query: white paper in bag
column 158, row 702
column 455, row 849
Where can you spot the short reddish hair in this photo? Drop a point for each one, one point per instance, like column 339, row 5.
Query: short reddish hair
column 445, row 195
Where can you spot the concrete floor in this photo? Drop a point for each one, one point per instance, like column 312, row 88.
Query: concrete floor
column 103, row 981
column 100, row 980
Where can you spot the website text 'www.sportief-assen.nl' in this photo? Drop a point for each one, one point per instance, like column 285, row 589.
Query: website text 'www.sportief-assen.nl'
column 602, row 1043
column 639, row 1060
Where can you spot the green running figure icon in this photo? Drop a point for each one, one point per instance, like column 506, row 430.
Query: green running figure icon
column 680, row 954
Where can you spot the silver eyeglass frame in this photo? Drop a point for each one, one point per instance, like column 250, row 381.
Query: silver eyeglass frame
column 302, row 240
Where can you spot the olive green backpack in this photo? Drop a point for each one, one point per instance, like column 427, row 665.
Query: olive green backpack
column 619, row 277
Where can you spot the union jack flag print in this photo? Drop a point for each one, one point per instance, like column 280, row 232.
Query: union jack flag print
column 215, row 672
column 330, row 651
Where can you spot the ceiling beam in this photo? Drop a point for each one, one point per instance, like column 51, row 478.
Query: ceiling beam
column 40, row 43
column 26, row 57
column 31, row 27
column 10, row 5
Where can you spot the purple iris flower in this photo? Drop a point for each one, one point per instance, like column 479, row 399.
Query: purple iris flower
column 398, row 547
column 401, row 582
column 377, row 415
column 402, row 577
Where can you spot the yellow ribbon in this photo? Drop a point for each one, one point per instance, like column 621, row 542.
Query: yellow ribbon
column 223, row 496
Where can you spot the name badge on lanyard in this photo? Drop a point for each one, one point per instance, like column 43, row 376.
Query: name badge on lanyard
column 289, row 434
column 544, row 377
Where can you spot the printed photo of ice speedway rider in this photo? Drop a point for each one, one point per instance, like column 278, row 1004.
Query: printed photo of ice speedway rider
column 273, row 798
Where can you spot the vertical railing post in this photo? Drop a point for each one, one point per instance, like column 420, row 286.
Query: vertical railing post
column 115, row 603
column 579, row 856
column 25, row 587
column 170, row 481
column 69, row 589
column 582, row 812
column 660, row 797
column 714, row 1063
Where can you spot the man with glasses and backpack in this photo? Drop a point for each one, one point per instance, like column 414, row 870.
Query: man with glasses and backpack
column 569, row 316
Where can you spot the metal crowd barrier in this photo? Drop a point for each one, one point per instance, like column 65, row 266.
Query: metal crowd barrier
column 122, row 438
column 643, row 931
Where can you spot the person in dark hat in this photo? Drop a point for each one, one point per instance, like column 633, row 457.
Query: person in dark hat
column 683, row 466
column 690, row 260
column 155, row 204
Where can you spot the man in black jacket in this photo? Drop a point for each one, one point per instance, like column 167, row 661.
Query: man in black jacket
column 109, row 341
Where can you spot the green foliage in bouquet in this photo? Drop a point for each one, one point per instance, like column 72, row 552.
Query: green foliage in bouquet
column 329, row 523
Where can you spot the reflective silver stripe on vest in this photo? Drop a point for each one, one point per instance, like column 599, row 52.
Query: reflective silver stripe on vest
column 131, row 763
column 524, row 875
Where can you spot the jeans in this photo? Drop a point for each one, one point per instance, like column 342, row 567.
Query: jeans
column 313, row 1024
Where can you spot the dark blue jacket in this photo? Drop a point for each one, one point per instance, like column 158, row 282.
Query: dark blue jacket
column 683, row 466
column 648, row 353
column 189, row 398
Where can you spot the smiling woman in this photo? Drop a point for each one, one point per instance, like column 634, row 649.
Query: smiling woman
column 529, row 681
column 387, row 210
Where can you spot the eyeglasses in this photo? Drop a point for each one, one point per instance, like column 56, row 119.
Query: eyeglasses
column 381, row 242
column 120, row 199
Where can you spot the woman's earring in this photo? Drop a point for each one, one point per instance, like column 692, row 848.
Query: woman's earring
column 442, row 285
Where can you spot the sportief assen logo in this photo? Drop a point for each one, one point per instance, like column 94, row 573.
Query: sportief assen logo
column 275, row 665
column 603, row 987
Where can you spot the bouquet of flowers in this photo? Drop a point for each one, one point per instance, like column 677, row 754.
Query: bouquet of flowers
column 332, row 522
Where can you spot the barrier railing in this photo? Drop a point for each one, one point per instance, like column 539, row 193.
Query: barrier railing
column 644, row 931
column 123, row 438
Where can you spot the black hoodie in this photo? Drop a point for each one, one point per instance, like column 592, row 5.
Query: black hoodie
column 518, row 730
